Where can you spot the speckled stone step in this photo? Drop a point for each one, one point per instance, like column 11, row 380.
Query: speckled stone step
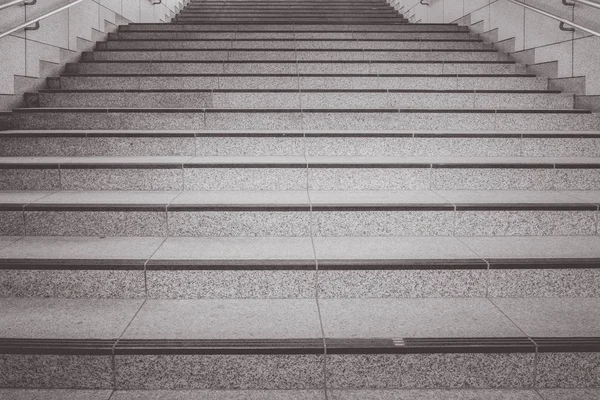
column 291, row 173
column 317, row 35
column 299, row 143
column 301, row 99
column 255, row 81
column 295, row 55
column 386, row 119
column 175, row 68
column 333, row 44
column 285, row 267
column 293, row 214
column 280, row 343
column 357, row 27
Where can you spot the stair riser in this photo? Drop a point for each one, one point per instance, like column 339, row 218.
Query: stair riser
column 290, row 284
column 296, row 28
column 344, row 121
column 291, row 35
column 294, row 68
column 282, row 55
column 303, row 82
column 297, row 146
column 290, row 20
column 307, row 100
column 285, row 44
column 281, row 371
column 297, row 223
column 299, row 371
column 296, row 179
column 290, row 13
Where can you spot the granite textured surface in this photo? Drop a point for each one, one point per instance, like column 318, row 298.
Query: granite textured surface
column 567, row 370
column 543, row 283
column 245, row 178
column 523, row 223
column 101, row 284
column 247, row 371
column 369, row 178
column 230, row 284
column 472, row 370
column 577, row 179
column 434, row 394
column 55, row 371
column 96, row 223
column 256, row 100
column 553, row 317
column 466, row 147
column 430, row 317
column 258, row 82
column 306, row 394
column 560, row 147
column 569, row 394
column 30, row 179
column 401, row 283
column 357, row 146
column 54, row 394
column 37, row 318
column 178, row 82
column 244, row 146
column 547, row 122
column 492, row 179
column 253, row 121
column 12, row 223
column 382, row 223
column 445, row 121
column 122, row 179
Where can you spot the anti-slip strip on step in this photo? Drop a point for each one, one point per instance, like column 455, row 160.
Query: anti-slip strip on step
column 72, row 264
column 259, row 49
column 28, row 264
column 295, row 40
column 298, row 346
column 292, row 111
column 386, row 207
column 543, row 263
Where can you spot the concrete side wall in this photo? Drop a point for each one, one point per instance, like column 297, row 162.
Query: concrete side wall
column 530, row 37
column 28, row 57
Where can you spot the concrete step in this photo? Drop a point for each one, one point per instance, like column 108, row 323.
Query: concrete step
column 355, row 27
column 293, row 67
column 287, row 143
column 299, row 143
column 280, row 343
column 389, row 119
column 373, row 394
column 301, row 81
column 292, row 172
column 285, row 267
column 269, row 44
column 315, row 98
column 315, row 35
column 208, row 119
column 294, row 55
column 290, row 20
column 298, row 214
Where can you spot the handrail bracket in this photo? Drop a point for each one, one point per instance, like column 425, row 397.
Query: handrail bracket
column 563, row 27
column 568, row 3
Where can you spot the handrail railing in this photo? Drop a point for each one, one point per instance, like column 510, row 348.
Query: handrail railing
column 15, row 2
column 584, row 2
column 556, row 17
column 38, row 19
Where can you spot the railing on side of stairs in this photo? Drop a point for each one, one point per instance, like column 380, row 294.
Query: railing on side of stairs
column 36, row 21
column 563, row 21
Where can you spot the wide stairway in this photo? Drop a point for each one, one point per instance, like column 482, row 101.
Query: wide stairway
column 301, row 199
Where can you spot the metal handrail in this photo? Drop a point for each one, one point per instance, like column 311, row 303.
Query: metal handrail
column 584, row 2
column 15, row 2
column 38, row 19
column 556, row 17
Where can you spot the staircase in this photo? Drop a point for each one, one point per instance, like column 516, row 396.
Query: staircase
column 301, row 199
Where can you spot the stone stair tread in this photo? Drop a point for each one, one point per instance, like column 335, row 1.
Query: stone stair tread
column 118, row 250
column 305, row 394
column 281, row 319
column 299, row 161
column 278, row 199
